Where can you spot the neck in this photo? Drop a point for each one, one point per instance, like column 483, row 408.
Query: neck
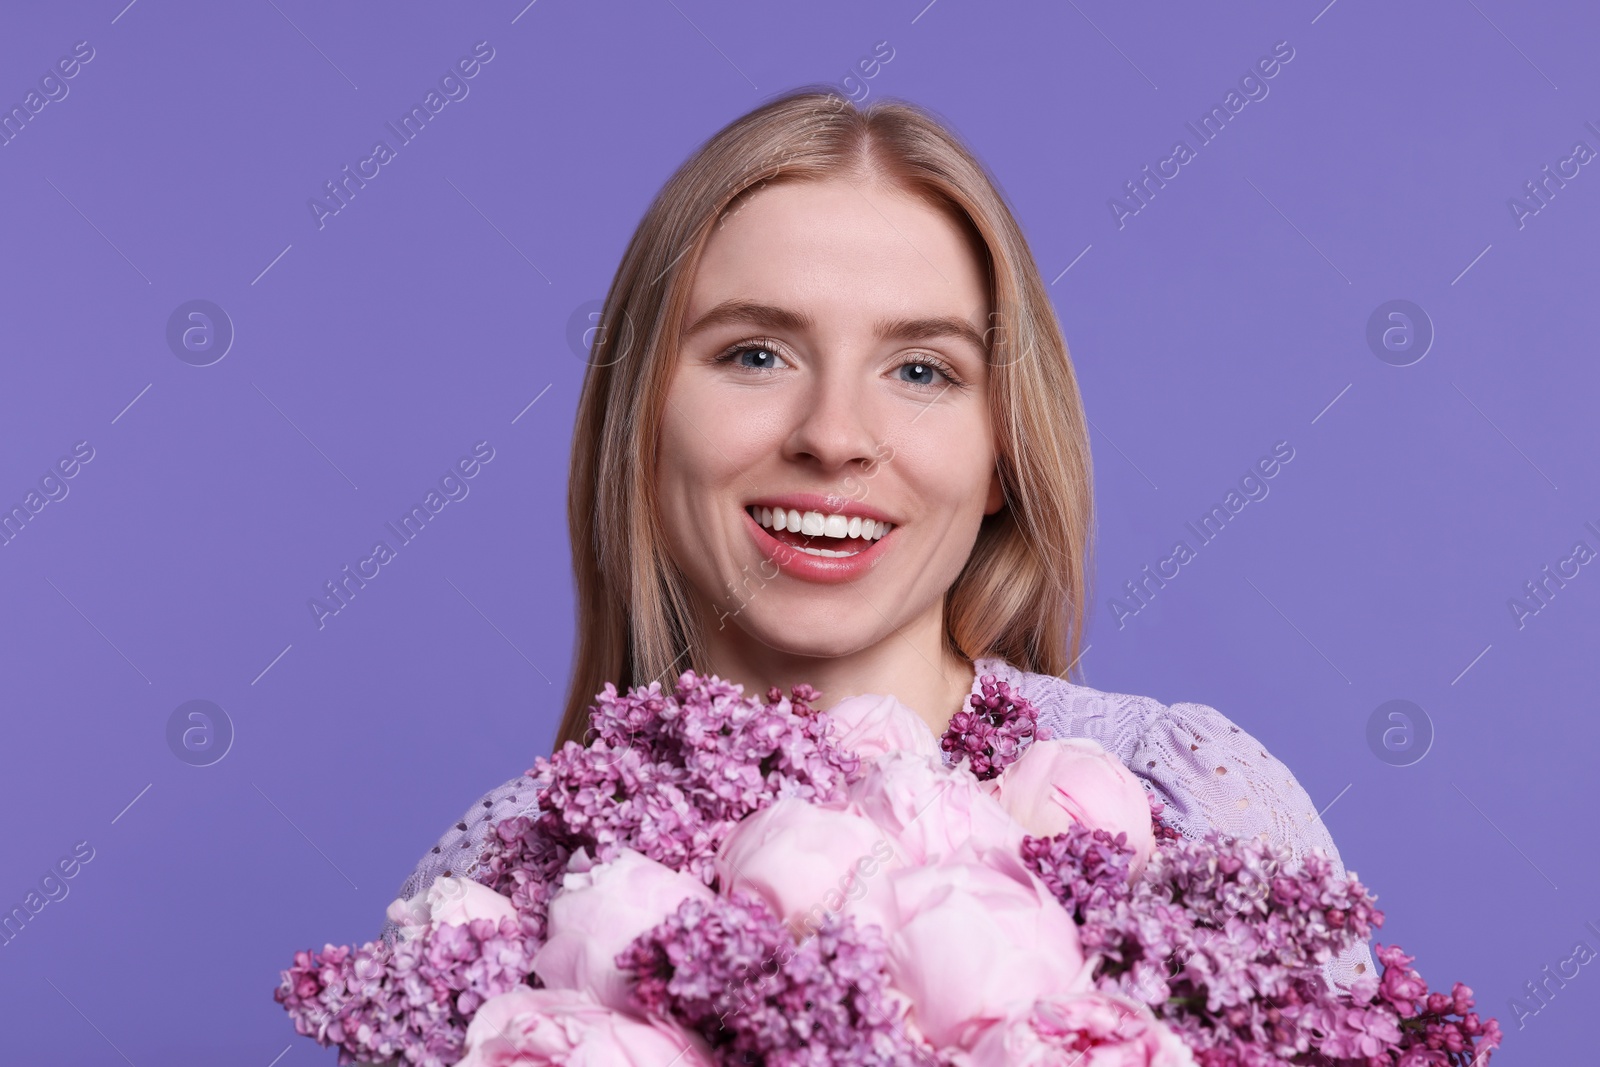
column 914, row 665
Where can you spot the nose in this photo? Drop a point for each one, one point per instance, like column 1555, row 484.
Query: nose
column 834, row 424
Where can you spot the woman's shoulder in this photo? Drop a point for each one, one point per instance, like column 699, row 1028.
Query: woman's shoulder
column 459, row 848
column 1207, row 769
column 1121, row 722
column 1209, row 772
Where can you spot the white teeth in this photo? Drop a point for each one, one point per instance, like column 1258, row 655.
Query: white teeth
column 830, row 553
column 818, row 524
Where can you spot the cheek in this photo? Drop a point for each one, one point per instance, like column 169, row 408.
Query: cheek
column 710, row 439
column 708, row 448
column 948, row 462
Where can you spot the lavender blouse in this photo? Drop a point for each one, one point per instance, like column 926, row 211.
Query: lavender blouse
column 1208, row 772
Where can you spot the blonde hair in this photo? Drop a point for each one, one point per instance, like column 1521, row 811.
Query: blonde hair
column 1023, row 591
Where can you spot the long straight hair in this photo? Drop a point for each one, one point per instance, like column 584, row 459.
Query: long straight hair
column 1023, row 591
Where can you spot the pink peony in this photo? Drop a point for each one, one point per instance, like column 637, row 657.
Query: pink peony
column 452, row 901
column 1085, row 1029
column 597, row 912
column 538, row 1027
column 874, row 725
column 1059, row 782
column 980, row 940
column 806, row 861
column 929, row 810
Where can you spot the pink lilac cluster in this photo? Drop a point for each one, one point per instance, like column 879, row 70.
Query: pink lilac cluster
column 669, row 775
column 994, row 733
column 729, row 969
column 412, row 999
column 1225, row 939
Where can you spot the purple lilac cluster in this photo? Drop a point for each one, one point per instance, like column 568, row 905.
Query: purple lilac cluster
column 409, row 1000
column 668, row 775
column 995, row 732
column 1225, row 939
column 730, row 970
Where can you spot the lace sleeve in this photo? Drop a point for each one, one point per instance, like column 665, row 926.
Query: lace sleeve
column 457, row 852
column 1212, row 774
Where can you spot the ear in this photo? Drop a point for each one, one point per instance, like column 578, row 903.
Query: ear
column 997, row 496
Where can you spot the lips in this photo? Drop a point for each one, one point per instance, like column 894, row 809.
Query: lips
column 817, row 533
column 808, row 558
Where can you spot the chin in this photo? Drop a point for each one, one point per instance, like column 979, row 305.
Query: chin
column 823, row 639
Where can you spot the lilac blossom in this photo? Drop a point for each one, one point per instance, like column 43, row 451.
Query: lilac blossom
column 410, row 1000
column 730, row 970
column 994, row 733
column 1225, row 941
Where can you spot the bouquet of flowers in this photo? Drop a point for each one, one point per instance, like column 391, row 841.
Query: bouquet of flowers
column 717, row 880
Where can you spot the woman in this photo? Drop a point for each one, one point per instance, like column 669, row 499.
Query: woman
column 830, row 433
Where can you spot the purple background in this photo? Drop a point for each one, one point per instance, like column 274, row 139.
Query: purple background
column 1229, row 314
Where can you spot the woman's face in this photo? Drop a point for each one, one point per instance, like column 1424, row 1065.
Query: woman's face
column 833, row 371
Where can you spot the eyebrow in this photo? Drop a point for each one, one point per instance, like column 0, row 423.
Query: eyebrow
column 772, row 317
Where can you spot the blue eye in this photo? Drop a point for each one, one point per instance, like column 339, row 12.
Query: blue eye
column 925, row 373
column 765, row 357
column 759, row 351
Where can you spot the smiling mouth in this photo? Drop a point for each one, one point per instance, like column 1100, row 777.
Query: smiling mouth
column 817, row 533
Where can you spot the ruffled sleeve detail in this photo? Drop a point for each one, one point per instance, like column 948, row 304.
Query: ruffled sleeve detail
column 457, row 852
column 1208, row 772
column 1214, row 775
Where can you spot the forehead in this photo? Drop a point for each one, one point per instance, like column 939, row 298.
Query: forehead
column 842, row 248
